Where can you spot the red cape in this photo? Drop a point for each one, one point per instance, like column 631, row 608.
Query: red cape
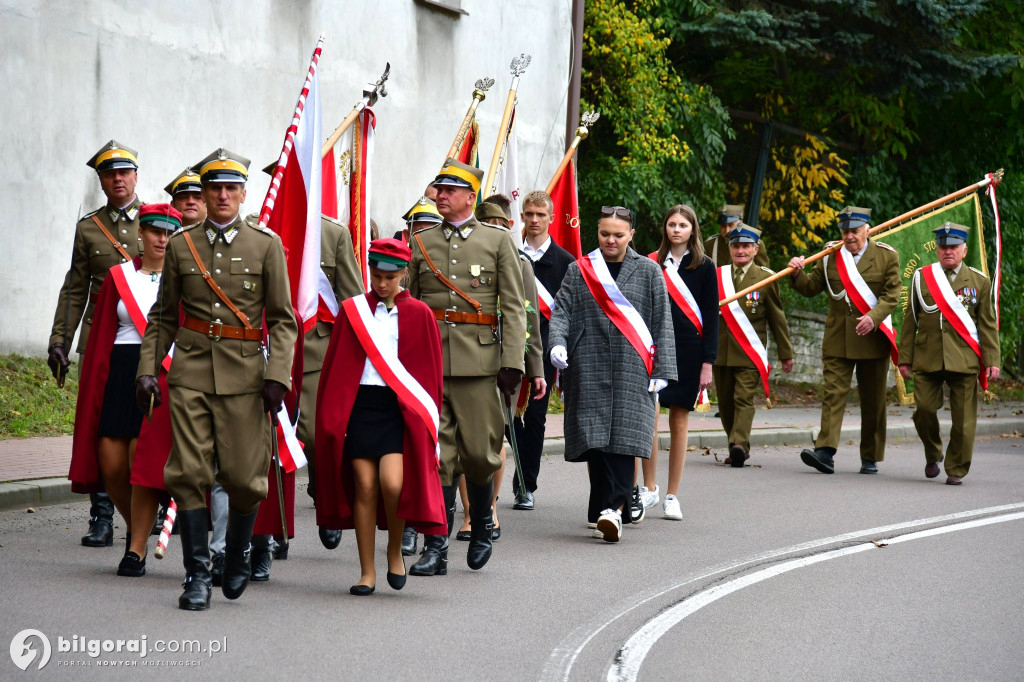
column 154, row 442
column 421, row 503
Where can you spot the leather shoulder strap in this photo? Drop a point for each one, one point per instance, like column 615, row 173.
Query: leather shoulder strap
column 444, row 280
column 213, row 285
column 106, row 233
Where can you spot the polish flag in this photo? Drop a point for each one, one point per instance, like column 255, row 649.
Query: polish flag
column 565, row 223
column 346, row 186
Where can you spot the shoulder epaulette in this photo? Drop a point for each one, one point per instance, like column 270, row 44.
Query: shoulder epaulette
column 333, row 220
column 979, row 272
column 493, row 226
column 90, row 215
column 887, row 246
column 768, row 270
column 829, row 245
column 428, row 229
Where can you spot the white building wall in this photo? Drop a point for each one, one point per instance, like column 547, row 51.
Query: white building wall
column 176, row 80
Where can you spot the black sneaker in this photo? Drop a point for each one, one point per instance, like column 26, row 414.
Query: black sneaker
column 636, row 506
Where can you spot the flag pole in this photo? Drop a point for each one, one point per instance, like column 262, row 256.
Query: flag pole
column 518, row 67
column 368, row 100
column 479, row 94
column 993, row 179
column 588, row 119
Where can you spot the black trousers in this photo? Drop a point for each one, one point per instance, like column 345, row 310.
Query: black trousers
column 530, row 432
column 611, row 483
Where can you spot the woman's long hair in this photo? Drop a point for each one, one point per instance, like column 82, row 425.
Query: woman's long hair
column 696, row 244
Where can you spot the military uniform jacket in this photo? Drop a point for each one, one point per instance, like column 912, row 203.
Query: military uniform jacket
column 930, row 344
column 880, row 268
column 338, row 261
column 485, row 265
column 717, row 249
column 763, row 312
column 534, row 360
column 93, row 257
column 251, row 270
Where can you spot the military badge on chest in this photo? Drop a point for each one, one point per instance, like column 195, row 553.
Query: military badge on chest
column 967, row 296
column 249, row 285
column 476, row 271
column 753, row 300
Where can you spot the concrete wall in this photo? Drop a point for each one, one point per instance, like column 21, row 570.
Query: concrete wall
column 176, row 80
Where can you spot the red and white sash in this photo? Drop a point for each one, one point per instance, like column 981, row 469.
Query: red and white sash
column 289, row 449
column 615, row 305
column 862, row 297
column 545, row 301
column 741, row 328
column 954, row 312
column 681, row 294
column 124, row 280
column 409, row 391
column 327, row 303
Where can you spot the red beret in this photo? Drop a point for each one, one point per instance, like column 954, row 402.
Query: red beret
column 389, row 254
column 162, row 216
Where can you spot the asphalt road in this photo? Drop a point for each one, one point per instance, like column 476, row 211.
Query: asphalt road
column 772, row 574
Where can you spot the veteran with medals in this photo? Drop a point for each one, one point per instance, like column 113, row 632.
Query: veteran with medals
column 229, row 279
column 949, row 337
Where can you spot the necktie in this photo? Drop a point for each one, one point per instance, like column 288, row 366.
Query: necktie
column 737, row 275
column 951, row 274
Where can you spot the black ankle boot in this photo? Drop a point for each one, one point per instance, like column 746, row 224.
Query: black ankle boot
column 101, row 521
column 262, row 557
column 434, row 557
column 408, row 542
column 195, row 551
column 236, row 553
column 482, row 520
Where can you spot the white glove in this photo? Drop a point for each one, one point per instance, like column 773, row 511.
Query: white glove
column 656, row 385
column 559, row 357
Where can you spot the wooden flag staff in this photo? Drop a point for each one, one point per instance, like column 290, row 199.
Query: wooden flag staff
column 588, row 119
column 368, row 100
column 994, row 178
column 518, row 67
column 479, row 94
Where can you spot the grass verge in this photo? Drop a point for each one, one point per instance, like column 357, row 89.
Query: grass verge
column 30, row 402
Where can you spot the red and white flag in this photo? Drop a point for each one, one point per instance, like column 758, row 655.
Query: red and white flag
column 565, row 223
column 346, row 186
column 507, row 182
column 292, row 205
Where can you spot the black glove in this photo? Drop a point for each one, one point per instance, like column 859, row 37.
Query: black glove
column 273, row 397
column 509, row 380
column 58, row 360
column 145, row 386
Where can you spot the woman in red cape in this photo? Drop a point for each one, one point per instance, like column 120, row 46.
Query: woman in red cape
column 130, row 463
column 420, row 503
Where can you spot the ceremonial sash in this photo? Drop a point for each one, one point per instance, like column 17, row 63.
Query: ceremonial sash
column 858, row 292
column 741, row 328
column 545, row 301
column 123, row 280
column 289, row 449
column 681, row 294
column 327, row 305
column 410, row 392
column 954, row 311
column 615, row 305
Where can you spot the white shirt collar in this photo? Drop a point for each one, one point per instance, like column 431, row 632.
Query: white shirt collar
column 669, row 258
column 538, row 253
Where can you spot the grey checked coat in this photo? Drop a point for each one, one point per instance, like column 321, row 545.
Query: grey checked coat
column 607, row 405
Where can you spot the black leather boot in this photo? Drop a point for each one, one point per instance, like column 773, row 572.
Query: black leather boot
column 101, row 521
column 482, row 519
column 262, row 557
column 409, row 542
column 195, row 552
column 236, row 553
column 434, row 557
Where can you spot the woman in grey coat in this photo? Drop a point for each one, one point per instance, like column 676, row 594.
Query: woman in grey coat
column 609, row 385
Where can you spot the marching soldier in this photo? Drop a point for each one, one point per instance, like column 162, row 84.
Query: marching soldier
column 459, row 269
column 949, row 336
column 740, row 361
column 717, row 247
column 422, row 215
column 104, row 238
column 229, row 278
column 187, row 196
column 863, row 283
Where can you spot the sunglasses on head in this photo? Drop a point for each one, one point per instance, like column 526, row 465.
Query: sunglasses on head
column 617, row 212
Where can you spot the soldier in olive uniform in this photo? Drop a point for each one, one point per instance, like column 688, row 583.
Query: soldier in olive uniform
column 187, row 196
column 717, row 247
column 853, row 342
column 104, row 238
column 220, row 383
column 422, row 215
column 937, row 353
column 737, row 380
column 478, row 262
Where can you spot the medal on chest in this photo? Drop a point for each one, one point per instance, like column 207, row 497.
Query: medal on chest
column 753, row 300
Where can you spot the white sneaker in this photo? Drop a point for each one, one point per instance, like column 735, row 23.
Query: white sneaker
column 650, row 497
column 597, row 534
column 672, row 510
column 592, row 526
column 610, row 525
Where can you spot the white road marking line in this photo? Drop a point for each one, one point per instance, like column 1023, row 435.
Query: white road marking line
column 563, row 657
column 631, row 656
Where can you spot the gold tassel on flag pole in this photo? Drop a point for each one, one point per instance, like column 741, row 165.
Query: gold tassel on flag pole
column 588, row 119
column 995, row 178
column 518, row 67
column 479, row 94
column 368, row 100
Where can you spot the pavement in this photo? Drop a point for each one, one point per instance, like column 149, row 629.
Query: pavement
column 33, row 471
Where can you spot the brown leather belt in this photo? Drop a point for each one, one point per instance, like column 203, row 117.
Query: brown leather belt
column 454, row 316
column 217, row 331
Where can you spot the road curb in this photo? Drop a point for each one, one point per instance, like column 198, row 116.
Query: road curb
column 46, row 491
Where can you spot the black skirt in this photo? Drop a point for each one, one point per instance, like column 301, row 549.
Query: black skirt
column 120, row 416
column 376, row 426
column 683, row 393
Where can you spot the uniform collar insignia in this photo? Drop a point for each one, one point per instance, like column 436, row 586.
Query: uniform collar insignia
column 463, row 231
column 228, row 234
